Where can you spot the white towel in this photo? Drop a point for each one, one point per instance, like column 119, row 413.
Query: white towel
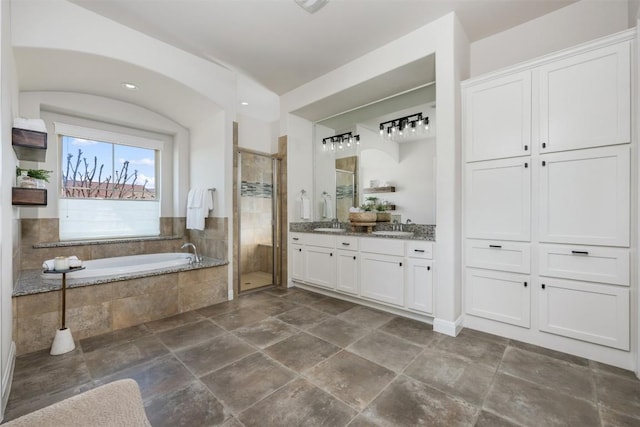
column 305, row 208
column 49, row 264
column 328, row 207
column 199, row 203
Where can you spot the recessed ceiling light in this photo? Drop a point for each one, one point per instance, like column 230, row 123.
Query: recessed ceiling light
column 244, row 103
column 311, row 6
column 129, row 86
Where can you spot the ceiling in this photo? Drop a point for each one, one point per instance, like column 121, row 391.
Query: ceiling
column 281, row 46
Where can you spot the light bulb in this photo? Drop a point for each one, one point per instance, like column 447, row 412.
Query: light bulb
column 324, row 146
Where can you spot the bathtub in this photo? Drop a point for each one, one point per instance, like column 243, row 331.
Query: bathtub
column 124, row 265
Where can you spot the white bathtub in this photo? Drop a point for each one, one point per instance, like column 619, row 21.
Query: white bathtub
column 123, row 265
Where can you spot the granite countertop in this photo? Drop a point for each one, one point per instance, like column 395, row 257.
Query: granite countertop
column 420, row 231
column 31, row 282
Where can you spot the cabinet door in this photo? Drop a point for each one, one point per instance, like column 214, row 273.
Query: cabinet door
column 382, row 278
column 585, row 100
column 420, row 285
column 585, row 311
column 498, row 199
column 320, row 266
column 584, row 197
column 497, row 118
column 347, row 271
column 498, row 255
column 497, row 295
column 297, row 261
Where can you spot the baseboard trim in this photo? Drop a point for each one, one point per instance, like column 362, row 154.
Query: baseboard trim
column 7, row 378
column 448, row 327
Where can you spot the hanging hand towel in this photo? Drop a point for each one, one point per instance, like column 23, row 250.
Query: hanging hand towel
column 198, row 205
column 305, row 208
column 328, row 207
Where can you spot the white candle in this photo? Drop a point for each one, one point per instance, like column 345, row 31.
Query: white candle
column 61, row 263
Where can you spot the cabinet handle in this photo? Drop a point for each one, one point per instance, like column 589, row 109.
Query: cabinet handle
column 526, row 148
column 580, row 252
column 526, row 165
column 525, row 284
column 345, row 244
column 354, row 257
column 544, row 145
column 428, row 267
column 296, row 238
column 544, row 163
column 543, row 286
column 400, row 264
column 300, row 250
column 496, row 246
column 418, row 250
column 330, row 253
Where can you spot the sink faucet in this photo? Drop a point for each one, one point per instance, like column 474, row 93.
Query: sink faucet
column 197, row 259
column 396, row 225
column 335, row 223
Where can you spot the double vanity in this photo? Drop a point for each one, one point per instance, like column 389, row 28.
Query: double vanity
column 388, row 269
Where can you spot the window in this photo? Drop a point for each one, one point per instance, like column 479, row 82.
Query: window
column 109, row 185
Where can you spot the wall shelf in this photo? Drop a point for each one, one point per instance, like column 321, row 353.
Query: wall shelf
column 29, row 144
column 28, row 196
column 380, row 190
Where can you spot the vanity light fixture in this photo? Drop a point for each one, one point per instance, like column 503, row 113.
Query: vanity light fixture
column 397, row 128
column 340, row 142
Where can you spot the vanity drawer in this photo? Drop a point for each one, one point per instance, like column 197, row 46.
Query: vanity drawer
column 299, row 238
column 349, row 243
column 588, row 263
column 322, row 240
column 382, row 246
column 498, row 255
column 418, row 249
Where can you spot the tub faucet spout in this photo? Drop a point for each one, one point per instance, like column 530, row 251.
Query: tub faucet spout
column 196, row 259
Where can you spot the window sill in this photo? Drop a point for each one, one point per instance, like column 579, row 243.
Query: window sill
column 102, row 242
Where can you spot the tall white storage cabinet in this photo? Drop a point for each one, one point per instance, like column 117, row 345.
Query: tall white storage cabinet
column 546, row 204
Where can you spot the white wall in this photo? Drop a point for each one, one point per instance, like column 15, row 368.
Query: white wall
column 574, row 24
column 299, row 162
column 9, row 231
column 256, row 135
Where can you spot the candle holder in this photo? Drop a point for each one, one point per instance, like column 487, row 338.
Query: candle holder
column 63, row 340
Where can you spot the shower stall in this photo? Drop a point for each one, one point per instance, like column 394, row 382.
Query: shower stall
column 258, row 260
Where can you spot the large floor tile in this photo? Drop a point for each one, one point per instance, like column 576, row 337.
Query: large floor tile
column 278, row 306
column 26, row 404
column 298, row 404
column 366, row 316
column 193, row 405
column 618, row 393
column 301, row 296
column 533, row 405
column 483, row 336
column 485, row 352
column 239, row 318
column 333, row 305
column 247, row 381
column 160, row 376
column 452, row 374
column 115, row 358
column 338, row 332
column 301, row 352
column 303, row 317
column 219, row 309
column 188, row 335
column 265, row 332
column 386, row 350
column 611, row 418
column 114, row 338
column 351, row 378
column 174, row 321
column 411, row 330
column 562, row 376
column 487, row 419
column 407, row 402
column 550, row 353
column 214, row 354
column 603, row 368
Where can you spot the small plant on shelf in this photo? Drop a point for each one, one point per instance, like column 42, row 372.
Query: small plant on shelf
column 35, row 173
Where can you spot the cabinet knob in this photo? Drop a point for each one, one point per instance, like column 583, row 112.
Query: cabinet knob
column 300, row 250
column 544, row 163
column 544, row 145
column 400, row 264
column 526, row 165
column 330, row 253
column 543, row 286
column 525, row 284
column 526, row 148
column 428, row 267
column 354, row 257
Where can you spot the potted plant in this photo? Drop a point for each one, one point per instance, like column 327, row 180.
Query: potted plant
column 382, row 214
column 366, row 214
column 32, row 178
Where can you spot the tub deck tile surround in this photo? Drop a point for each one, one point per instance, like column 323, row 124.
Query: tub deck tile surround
column 219, row 375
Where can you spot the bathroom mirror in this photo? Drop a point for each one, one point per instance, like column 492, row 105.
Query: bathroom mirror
column 405, row 167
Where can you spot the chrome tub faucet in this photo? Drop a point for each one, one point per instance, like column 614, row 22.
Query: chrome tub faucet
column 196, row 259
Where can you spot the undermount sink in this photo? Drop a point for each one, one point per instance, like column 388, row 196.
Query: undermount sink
column 330, row 230
column 393, row 233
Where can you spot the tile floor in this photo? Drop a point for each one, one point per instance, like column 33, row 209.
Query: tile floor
column 293, row 358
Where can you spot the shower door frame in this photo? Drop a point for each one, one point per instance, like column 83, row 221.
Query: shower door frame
column 276, row 275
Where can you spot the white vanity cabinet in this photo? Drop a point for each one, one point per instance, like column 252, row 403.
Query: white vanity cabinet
column 382, row 270
column 419, row 276
column 504, row 100
column 347, row 264
column 320, row 260
column 296, row 251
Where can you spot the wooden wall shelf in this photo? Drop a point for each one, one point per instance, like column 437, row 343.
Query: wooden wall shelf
column 380, row 190
column 29, row 144
column 28, row 196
